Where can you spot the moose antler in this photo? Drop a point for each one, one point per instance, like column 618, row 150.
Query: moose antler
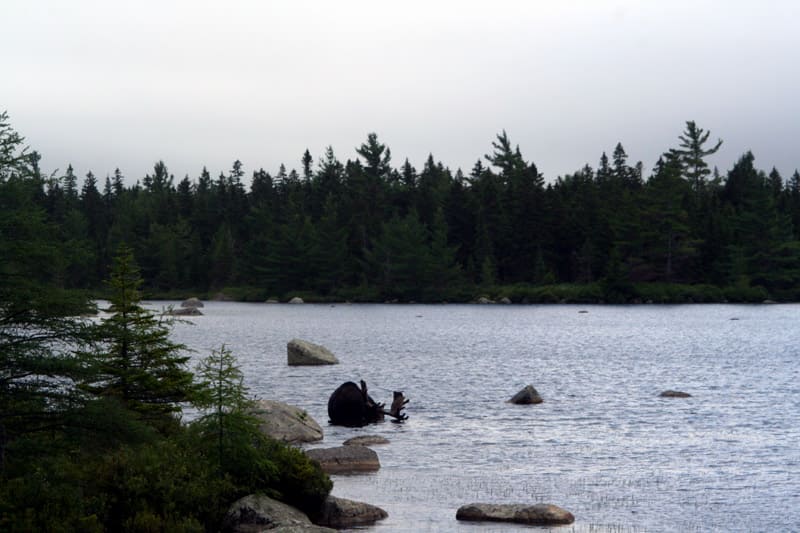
column 398, row 404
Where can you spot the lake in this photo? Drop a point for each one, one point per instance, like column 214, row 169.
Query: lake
column 603, row 444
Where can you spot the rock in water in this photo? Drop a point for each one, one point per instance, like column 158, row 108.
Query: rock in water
column 184, row 311
column 541, row 514
column 345, row 514
column 345, row 459
column 257, row 513
column 296, row 300
column 304, row 353
column 526, row 396
column 192, row 302
column 366, row 440
column 285, row 422
column 675, row 394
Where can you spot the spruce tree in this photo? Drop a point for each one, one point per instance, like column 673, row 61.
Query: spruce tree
column 134, row 360
column 225, row 424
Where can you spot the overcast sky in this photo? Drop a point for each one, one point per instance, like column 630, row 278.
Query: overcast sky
column 102, row 84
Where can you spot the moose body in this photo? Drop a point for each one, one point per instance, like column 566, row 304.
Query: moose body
column 351, row 405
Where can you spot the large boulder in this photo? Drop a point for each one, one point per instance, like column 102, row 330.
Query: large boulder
column 526, row 396
column 541, row 514
column 285, row 422
column 302, row 353
column 345, row 459
column 675, row 394
column 366, row 440
column 192, row 302
column 345, row 514
column 296, row 300
column 256, row 514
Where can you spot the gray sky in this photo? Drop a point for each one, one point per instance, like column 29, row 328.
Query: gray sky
column 102, row 84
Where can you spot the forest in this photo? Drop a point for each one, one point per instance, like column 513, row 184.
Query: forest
column 364, row 229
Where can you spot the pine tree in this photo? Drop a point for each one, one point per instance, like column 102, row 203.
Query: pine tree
column 692, row 155
column 376, row 155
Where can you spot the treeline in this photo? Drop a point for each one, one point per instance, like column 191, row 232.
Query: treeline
column 364, row 229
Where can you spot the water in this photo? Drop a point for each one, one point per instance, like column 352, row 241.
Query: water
column 603, row 444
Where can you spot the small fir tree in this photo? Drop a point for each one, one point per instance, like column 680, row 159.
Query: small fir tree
column 135, row 361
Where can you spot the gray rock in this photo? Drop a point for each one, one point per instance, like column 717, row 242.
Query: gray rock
column 256, row 514
column 344, row 514
column 505, row 300
column 285, row 422
column 296, row 300
column 272, row 301
column 675, row 394
column 484, row 300
column 526, row 396
column 192, row 302
column 541, row 514
column 184, row 311
column 300, row 353
column 366, row 440
column 345, row 459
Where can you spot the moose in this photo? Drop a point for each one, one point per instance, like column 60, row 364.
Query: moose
column 351, row 406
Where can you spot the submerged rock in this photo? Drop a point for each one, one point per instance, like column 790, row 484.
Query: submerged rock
column 285, row 422
column 341, row 513
column 345, row 459
column 184, row 311
column 366, row 440
column 541, row 514
column 256, row 513
column 301, row 353
column 526, row 396
column 675, row 394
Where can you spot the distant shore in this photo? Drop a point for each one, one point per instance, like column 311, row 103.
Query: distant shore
column 590, row 293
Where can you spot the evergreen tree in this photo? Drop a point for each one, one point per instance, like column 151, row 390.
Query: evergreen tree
column 38, row 324
column 307, row 161
column 376, row 155
column 665, row 230
column 399, row 261
column 692, row 154
column 223, row 399
column 135, row 361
